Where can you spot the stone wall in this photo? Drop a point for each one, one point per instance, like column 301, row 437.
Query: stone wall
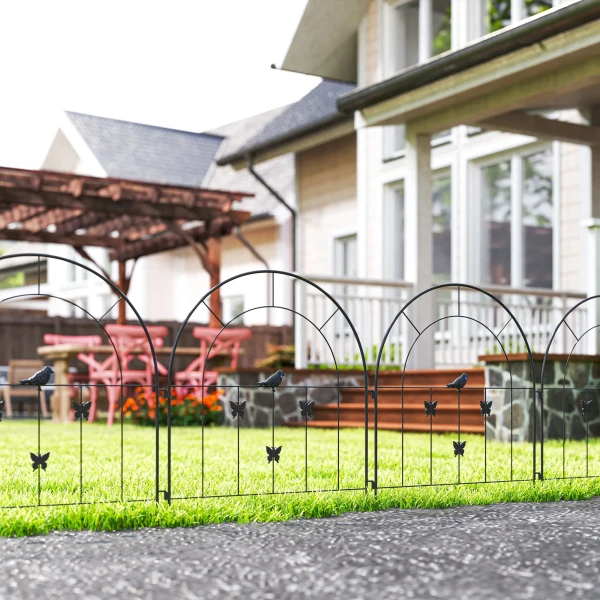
column 322, row 388
column 580, row 382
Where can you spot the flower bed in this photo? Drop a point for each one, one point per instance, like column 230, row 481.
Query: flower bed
column 188, row 410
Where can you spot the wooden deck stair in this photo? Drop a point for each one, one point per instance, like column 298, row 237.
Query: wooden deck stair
column 417, row 386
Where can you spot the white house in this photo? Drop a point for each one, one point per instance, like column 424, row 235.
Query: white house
column 166, row 286
column 465, row 152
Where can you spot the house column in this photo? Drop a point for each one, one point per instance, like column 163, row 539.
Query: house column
column 418, row 243
column 592, row 225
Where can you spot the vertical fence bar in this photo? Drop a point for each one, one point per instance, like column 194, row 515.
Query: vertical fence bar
column 238, row 442
column 273, row 442
column 39, row 469
column 587, row 431
column 81, row 447
column 306, row 440
column 458, row 391
column 485, row 437
column 430, row 438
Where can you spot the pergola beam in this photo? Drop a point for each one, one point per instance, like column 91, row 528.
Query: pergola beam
column 46, row 237
column 107, row 206
column 544, row 128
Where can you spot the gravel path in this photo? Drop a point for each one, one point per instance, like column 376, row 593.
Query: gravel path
column 510, row 551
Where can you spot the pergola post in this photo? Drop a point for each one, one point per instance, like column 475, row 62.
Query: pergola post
column 417, row 229
column 123, row 284
column 213, row 266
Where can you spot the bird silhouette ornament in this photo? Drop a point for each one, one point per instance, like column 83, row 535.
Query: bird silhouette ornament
column 459, row 383
column 273, row 381
column 38, row 379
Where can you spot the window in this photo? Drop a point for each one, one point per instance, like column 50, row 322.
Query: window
column 441, row 19
column 534, row 7
column 537, row 218
column 442, row 232
column 233, row 307
column 394, row 250
column 517, row 217
column 403, row 44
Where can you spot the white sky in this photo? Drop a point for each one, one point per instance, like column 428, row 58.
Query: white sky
column 192, row 65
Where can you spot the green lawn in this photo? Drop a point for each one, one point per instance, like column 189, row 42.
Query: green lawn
column 102, row 475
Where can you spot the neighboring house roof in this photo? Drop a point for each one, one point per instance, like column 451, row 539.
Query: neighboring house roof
column 316, row 110
column 147, row 153
column 278, row 172
column 531, row 31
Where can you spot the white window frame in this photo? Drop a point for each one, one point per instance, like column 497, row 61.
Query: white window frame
column 515, row 155
column 228, row 311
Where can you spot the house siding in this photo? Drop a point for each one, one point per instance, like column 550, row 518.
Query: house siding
column 327, row 192
column 372, row 41
column 570, row 217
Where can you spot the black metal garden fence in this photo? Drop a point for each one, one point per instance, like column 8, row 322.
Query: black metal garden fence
column 374, row 437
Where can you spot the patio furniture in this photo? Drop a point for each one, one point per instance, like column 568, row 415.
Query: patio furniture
column 22, row 369
column 114, row 372
column 62, row 355
column 72, row 378
column 226, row 342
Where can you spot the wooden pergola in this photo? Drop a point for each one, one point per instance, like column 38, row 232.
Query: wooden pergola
column 132, row 219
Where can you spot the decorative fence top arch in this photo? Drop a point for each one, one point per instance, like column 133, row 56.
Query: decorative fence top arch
column 544, row 385
column 294, row 277
column 402, row 312
column 121, row 297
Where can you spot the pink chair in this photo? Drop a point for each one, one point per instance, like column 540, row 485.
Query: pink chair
column 130, row 342
column 228, row 342
column 53, row 339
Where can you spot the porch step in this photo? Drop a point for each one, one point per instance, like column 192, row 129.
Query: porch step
column 390, row 413
column 412, row 427
column 417, row 384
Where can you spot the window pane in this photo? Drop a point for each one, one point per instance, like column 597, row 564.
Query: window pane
column 537, row 219
column 442, row 246
column 405, row 28
column 497, row 15
column 393, row 140
column 442, row 40
column 533, row 7
column 495, row 230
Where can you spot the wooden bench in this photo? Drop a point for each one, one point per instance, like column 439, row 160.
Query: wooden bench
column 23, row 369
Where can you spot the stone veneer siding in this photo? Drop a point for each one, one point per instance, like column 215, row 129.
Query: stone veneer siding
column 581, row 378
column 259, row 401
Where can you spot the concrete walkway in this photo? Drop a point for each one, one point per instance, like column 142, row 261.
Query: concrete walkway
column 511, row 551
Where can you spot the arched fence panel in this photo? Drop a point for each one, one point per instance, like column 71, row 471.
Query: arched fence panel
column 570, row 408
column 267, row 445
column 46, row 462
column 487, row 417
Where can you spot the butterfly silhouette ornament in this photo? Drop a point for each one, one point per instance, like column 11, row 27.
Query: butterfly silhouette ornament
column 306, row 408
column 82, row 409
column 237, row 409
column 459, row 448
column 486, row 407
column 39, row 460
column 273, row 453
column 430, row 407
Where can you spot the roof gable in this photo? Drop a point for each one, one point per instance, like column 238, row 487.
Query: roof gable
column 147, row 153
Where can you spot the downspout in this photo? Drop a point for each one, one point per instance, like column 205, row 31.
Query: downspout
column 277, row 196
column 240, row 236
column 250, row 163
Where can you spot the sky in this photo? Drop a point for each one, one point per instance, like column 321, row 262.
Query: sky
column 191, row 65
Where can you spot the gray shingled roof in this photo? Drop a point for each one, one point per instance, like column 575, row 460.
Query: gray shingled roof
column 279, row 171
column 147, row 153
column 315, row 110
